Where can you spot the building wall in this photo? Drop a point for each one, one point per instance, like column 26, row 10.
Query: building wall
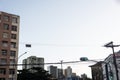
column 60, row 74
column 68, row 72
column 97, row 71
column 111, row 68
column 53, row 71
column 9, row 42
column 33, row 61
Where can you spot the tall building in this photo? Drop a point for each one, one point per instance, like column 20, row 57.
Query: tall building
column 60, row 74
column 53, row 71
column 9, row 40
column 68, row 72
column 33, row 61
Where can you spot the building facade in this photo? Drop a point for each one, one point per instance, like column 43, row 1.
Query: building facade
column 33, row 61
column 53, row 71
column 111, row 72
column 97, row 71
column 68, row 72
column 9, row 40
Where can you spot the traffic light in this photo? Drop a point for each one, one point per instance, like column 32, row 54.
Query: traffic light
column 83, row 59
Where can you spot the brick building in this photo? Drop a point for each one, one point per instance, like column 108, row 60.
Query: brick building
column 9, row 40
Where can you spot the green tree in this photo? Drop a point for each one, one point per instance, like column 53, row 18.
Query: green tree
column 34, row 73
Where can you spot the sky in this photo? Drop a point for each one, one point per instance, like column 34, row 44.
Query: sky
column 66, row 29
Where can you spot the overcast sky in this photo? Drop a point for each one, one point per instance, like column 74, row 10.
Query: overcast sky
column 66, row 29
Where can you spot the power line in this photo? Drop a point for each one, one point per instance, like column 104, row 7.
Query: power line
column 59, row 45
column 68, row 62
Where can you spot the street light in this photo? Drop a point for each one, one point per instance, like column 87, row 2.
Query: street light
column 110, row 44
column 21, row 55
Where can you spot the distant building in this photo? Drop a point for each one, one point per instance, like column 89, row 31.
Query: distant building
column 33, row 61
column 60, row 74
column 68, row 72
column 9, row 43
column 97, row 71
column 53, row 71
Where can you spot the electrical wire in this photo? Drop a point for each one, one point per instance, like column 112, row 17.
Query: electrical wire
column 68, row 62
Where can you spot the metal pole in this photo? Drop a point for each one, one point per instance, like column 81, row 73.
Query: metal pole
column 106, row 69
column 61, row 70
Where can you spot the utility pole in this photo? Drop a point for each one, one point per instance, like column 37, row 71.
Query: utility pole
column 61, row 70
column 106, row 69
column 110, row 44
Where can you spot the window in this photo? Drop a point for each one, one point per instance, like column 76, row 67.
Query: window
column 5, row 35
column 4, row 52
column 2, row 78
column 3, row 61
column 14, row 20
column 5, row 26
column 13, row 45
column 2, row 71
column 11, row 79
column 14, row 28
column 13, row 36
column 13, row 53
column 0, row 17
column 4, row 43
column 12, row 71
column 12, row 61
column 6, row 18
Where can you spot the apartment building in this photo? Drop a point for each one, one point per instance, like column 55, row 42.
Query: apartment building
column 9, row 40
column 53, row 71
column 68, row 72
column 33, row 61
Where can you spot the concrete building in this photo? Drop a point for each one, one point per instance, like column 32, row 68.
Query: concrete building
column 33, row 61
column 97, row 71
column 9, row 40
column 53, row 71
column 111, row 73
column 68, row 72
column 60, row 74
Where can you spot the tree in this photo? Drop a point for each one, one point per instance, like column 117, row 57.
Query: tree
column 34, row 73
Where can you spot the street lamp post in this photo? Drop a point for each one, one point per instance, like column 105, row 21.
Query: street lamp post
column 21, row 55
column 110, row 44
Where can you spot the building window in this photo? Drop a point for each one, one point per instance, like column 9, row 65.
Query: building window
column 11, row 79
column 0, row 17
column 12, row 61
column 3, row 61
column 2, row 78
column 5, row 35
column 4, row 52
column 13, row 53
column 12, row 71
column 5, row 26
column 5, row 43
column 14, row 20
column 6, row 18
column 2, row 71
column 14, row 28
column 13, row 36
column 13, row 45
